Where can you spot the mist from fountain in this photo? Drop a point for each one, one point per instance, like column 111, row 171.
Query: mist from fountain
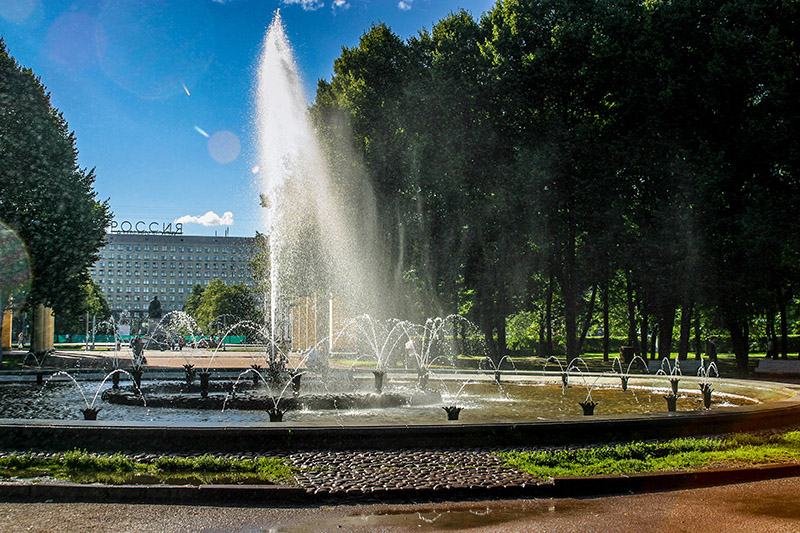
column 321, row 239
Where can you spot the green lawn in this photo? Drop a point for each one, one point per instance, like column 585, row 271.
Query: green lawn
column 84, row 467
column 675, row 455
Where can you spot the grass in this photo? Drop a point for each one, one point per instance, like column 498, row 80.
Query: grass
column 84, row 467
column 674, row 455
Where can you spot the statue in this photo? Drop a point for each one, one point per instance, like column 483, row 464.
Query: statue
column 155, row 308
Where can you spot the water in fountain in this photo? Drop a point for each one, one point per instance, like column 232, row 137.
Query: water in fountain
column 320, row 239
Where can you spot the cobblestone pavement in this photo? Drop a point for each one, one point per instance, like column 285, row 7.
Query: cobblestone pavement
column 370, row 471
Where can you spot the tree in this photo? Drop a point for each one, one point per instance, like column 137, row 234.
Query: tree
column 44, row 196
column 217, row 299
column 93, row 304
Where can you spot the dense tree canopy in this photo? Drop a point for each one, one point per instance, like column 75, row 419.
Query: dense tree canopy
column 219, row 305
column 44, row 196
column 552, row 155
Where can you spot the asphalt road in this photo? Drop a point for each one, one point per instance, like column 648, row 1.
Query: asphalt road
column 765, row 506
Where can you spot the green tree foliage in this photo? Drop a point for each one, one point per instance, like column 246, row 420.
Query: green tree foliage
column 44, row 196
column 236, row 302
column 93, row 303
column 552, row 155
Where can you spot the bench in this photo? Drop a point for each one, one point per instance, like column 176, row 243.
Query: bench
column 778, row 366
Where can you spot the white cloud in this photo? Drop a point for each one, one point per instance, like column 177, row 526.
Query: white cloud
column 405, row 5
column 340, row 4
column 209, row 219
column 307, row 5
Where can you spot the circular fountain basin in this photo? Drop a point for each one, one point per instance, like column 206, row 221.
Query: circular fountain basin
column 524, row 408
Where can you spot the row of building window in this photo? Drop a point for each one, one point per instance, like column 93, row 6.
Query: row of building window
column 209, row 266
column 189, row 273
column 112, row 281
column 154, row 248
column 231, row 259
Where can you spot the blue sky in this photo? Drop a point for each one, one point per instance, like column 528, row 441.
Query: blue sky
column 160, row 93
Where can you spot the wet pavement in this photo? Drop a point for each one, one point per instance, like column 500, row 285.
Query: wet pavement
column 761, row 506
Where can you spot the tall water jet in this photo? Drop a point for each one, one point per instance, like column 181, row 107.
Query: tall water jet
column 318, row 239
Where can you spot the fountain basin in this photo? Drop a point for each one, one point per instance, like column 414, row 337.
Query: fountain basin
column 502, row 418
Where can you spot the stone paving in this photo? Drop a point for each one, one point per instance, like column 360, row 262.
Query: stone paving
column 370, row 471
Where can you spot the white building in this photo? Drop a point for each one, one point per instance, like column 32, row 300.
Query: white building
column 135, row 266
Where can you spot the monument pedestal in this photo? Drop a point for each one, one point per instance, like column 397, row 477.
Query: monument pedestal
column 5, row 333
column 43, row 326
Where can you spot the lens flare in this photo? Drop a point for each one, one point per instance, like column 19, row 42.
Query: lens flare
column 202, row 132
column 224, row 146
column 15, row 273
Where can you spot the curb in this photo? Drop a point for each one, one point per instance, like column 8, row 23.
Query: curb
column 287, row 496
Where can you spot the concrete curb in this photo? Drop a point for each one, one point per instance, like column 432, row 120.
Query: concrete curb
column 286, row 496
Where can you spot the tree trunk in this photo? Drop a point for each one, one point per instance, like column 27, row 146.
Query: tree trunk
column 698, row 340
column 587, row 322
column 771, row 336
column 569, row 292
column 782, row 298
column 665, row 327
column 645, row 327
column 739, row 340
column 654, row 341
column 606, row 332
column 502, row 347
column 686, row 330
column 549, row 316
column 491, row 344
column 542, row 334
column 632, row 339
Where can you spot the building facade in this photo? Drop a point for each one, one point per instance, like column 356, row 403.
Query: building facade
column 134, row 267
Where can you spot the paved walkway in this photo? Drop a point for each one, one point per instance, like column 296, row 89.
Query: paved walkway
column 371, row 471
column 750, row 507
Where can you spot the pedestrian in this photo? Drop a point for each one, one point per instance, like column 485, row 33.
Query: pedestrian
column 711, row 350
column 20, row 341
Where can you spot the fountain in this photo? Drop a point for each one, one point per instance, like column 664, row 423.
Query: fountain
column 303, row 206
column 672, row 402
column 452, row 411
column 588, row 407
column 626, row 373
column 705, row 385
